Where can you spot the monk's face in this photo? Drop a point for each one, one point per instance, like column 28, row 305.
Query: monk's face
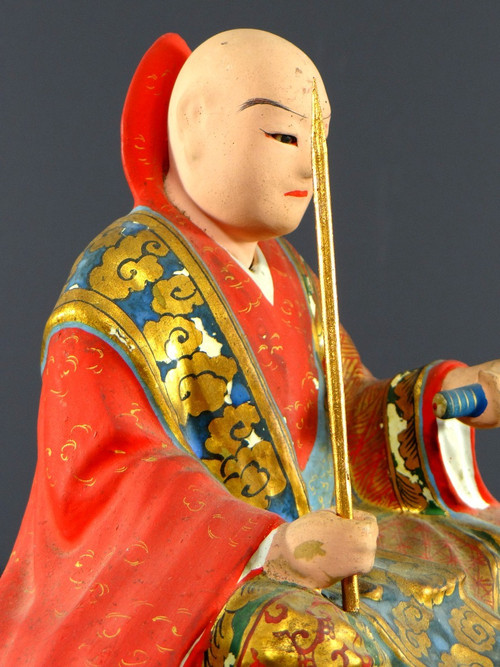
column 243, row 144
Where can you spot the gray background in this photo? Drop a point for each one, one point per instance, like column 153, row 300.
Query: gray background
column 414, row 154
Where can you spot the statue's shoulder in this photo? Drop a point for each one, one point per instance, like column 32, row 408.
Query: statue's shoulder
column 117, row 271
column 124, row 256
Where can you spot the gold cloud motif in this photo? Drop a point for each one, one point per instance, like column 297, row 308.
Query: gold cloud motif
column 472, row 630
column 413, row 623
column 129, row 266
column 461, row 656
column 252, row 473
column 228, row 431
column 172, row 337
column 109, row 237
column 199, row 383
column 176, row 296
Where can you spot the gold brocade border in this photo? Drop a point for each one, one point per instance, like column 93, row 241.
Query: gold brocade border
column 233, row 333
column 99, row 313
column 95, row 309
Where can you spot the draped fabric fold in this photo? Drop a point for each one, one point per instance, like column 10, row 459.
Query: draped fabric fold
column 182, row 419
column 174, row 436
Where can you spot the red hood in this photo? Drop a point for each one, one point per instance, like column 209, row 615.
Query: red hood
column 144, row 121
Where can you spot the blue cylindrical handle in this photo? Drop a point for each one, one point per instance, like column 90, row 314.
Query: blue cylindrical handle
column 468, row 401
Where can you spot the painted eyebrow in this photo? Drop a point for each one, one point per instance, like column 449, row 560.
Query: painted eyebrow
column 264, row 100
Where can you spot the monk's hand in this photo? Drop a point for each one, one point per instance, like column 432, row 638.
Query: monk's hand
column 488, row 376
column 320, row 548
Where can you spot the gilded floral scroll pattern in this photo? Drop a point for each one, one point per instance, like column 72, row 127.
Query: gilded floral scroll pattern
column 134, row 267
column 410, row 621
column 267, row 623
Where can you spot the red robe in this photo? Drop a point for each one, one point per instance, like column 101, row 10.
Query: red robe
column 130, row 545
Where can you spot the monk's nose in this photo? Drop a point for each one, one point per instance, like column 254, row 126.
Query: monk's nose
column 305, row 163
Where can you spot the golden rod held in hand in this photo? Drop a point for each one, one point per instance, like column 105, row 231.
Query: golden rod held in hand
column 330, row 319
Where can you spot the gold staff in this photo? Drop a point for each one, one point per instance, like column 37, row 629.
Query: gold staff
column 330, row 319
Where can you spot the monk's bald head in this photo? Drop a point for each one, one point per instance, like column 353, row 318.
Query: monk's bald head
column 246, row 59
column 236, row 91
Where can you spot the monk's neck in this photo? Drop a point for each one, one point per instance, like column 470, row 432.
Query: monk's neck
column 243, row 251
column 225, row 235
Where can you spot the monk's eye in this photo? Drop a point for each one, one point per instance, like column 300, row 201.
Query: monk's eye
column 282, row 138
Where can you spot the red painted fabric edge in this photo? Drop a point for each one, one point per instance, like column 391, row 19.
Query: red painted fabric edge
column 144, row 120
column 450, row 496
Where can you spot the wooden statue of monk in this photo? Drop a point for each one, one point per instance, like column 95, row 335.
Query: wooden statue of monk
column 181, row 512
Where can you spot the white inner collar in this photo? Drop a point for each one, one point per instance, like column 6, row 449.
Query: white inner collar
column 260, row 273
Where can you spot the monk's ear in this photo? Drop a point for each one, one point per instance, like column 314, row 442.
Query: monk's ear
column 187, row 133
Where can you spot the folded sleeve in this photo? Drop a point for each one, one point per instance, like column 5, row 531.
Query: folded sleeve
column 129, row 547
column 402, row 457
